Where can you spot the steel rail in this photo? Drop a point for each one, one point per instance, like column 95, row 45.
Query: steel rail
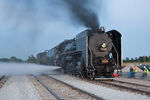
column 53, row 93
column 126, row 87
column 131, row 83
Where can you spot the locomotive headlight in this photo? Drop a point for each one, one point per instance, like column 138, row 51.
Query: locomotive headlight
column 104, row 45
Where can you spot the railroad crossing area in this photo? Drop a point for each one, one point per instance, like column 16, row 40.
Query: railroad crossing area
column 54, row 85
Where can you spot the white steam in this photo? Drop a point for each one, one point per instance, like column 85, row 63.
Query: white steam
column 24, row 69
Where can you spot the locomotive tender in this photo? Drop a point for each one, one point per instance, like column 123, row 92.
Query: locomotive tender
column 89, row 54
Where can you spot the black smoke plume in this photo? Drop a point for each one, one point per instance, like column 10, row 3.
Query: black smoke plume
column 85, row 16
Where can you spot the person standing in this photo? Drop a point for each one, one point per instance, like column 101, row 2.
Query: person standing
column 130, row 73
column 146, row 71
column 134, row 71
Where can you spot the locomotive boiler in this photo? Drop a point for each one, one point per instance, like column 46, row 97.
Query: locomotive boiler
column 89, row 54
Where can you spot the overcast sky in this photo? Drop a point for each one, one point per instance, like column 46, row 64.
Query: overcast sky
column 31, row 26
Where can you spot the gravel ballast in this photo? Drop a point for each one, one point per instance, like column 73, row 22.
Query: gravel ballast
column 19, row 88
column 105, row 93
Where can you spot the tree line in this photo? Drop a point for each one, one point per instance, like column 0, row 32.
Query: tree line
column 137, row 59
column 31, row 59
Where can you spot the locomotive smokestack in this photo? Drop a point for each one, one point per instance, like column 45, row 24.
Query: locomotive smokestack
column 83, row 14
column 101, row 30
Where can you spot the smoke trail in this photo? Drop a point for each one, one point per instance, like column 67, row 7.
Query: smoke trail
column 24, row 69
column 84, row 15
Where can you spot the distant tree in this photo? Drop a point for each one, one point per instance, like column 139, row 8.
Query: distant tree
column 136, row 59
column 4, row 60
column 31, row 59
column 141, row 59
column 132, row 60
column 127, row 59
column 14, row 59
column 149, row 59
column 145, row 59
column 124, row 61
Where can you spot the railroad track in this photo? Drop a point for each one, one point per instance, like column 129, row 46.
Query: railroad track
column 47, row 88
column 121, row 85
column 63, row 91
column 142, row 89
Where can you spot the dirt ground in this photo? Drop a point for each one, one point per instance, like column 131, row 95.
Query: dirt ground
column 145, row 63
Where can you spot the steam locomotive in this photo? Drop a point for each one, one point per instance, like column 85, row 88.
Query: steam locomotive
column 89, row 54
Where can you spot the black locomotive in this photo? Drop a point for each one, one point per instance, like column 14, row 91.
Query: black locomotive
column 89, row 54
